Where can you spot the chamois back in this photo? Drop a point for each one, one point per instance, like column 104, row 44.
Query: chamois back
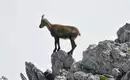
column 64, row 31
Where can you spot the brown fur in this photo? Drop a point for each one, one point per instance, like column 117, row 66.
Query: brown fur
column 61, row 31
column 65, row 31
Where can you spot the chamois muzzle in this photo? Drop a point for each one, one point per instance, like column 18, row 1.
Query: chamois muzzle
column 40, row 26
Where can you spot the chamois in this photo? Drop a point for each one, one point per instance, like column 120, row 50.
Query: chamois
column 61, row 31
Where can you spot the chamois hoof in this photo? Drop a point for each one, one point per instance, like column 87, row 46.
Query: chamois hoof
column 58, row 49
column 54, row 50
column 70, row 53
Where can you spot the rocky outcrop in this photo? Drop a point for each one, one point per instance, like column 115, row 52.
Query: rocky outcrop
column 22, row 76
column 107, row 57
column 33, row 73
column 81, row 75
column 107, row 60
column 123, row 34
column 3, row 78
column 60, row 60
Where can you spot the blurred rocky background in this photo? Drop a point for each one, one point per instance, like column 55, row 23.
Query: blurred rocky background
column 3, row 78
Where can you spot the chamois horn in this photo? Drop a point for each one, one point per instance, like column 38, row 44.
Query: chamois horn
column 43, row 16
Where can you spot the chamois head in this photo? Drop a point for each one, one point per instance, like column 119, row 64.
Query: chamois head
column 43, row 22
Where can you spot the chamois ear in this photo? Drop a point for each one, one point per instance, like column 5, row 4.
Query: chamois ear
column 43, row 16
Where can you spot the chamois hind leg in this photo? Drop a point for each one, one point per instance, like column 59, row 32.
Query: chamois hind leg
column 73, row 45
column 56, row 41
column 58, row 44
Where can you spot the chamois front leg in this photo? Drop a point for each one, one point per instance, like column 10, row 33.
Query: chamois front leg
column 56, row 43
column 73, row 46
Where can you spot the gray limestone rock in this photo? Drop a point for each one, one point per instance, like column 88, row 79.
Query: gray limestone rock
column 60, row 60
column 106, row 56
column 22, row 76
column 85, row 76
column 33, row 72
column 77, row 66
column 123, row 34
column 116, row 72
column 60, row 78
column 126, row 76
column 80, row 75
column 3, row 78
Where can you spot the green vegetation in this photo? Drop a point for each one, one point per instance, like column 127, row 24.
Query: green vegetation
column 103, row 78
column 128, row 50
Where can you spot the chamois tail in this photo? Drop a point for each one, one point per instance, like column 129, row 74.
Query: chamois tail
column 79, row 34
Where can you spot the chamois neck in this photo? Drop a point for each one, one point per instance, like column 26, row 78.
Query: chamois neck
column 48, row 24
